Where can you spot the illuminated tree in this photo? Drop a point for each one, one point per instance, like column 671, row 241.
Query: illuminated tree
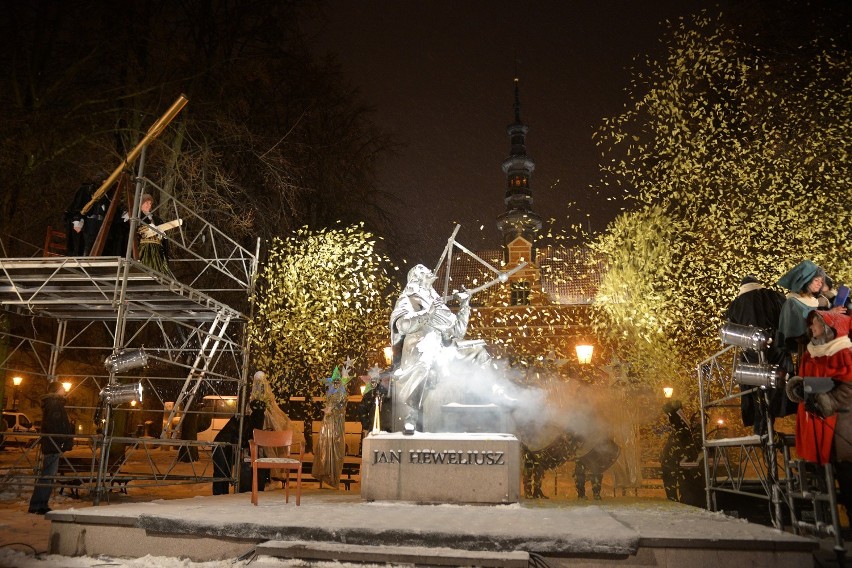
column 322, row 297
column 736, row 157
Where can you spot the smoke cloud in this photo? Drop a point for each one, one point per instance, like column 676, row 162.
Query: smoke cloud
column 536, row 415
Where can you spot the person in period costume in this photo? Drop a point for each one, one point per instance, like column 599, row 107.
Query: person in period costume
column 153, row 243
column 538, row 461
column 824, row 420
column 682, row 445
column 805, row 282
column 273, row 418
column 223, row 456
column 331, row 446
column 760, row 307
column 595, row 456
column 83, row 228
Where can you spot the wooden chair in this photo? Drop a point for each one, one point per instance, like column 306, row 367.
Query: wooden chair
column 276, row 439
column 55, row 242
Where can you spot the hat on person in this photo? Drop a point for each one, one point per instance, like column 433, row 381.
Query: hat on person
column 260, row 375
column 750, row 279
column 839, row 323
column 798, row 277
column 146, row 197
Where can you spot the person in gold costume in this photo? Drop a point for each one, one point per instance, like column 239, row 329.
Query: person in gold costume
column 331, row 447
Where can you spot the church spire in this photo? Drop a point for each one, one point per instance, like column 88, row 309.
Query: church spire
column 519, row 219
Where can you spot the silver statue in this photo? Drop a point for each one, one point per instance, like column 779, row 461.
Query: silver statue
column 429, row 337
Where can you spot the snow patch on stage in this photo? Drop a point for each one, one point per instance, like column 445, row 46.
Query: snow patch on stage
column 216, row 527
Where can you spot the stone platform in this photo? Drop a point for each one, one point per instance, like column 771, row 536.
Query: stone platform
column 341, row 526
column 441, row 468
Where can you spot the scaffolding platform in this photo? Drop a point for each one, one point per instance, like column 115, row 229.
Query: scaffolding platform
column 90, row 289
column 182, row 338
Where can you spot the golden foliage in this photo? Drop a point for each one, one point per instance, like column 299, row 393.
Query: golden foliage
column 322, row 296
column 737, row 162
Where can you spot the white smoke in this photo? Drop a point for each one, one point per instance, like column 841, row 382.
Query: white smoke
column 537, row 416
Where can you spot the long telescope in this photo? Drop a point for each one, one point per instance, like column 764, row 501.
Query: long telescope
column 153, row 132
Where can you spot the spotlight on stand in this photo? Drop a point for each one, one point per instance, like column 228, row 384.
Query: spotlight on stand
column 759, row 375
column 745, row 336
column 126, row 360
column 118, row 394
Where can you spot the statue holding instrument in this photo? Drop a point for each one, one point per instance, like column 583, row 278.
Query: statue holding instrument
column 429, row 345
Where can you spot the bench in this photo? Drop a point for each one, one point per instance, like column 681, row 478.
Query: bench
column 351, row 468
column 75, row 471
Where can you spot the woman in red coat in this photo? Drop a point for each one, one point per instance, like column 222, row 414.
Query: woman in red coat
column 824, row 425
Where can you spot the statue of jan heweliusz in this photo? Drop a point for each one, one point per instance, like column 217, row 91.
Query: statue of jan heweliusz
column 428, row 341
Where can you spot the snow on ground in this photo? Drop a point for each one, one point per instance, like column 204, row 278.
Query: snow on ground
column 10, row 558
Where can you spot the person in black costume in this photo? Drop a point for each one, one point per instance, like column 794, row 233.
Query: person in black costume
column 366, row 410
column 593, row 464
column 223, row 456
column 760, row 307
column 683, row 444
column 82, row 228
column 536, row 462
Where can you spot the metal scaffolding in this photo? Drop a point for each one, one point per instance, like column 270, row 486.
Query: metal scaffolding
column 190, row 331
column 798, row 494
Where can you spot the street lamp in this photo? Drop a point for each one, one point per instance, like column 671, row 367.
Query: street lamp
column 668, row 392
column 388, row 353
column 584, row 353
column 67, row 386
column 17, row 382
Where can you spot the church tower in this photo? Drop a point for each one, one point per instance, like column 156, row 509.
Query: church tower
column 519, row 219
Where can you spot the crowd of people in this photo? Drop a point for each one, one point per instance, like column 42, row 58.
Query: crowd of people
column 810, row 327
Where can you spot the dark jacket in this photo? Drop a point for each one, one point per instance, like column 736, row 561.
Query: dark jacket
column 54, row 420
column 230, row 432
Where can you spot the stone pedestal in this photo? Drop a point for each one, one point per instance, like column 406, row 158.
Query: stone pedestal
column 479, row 418
column 441, row 468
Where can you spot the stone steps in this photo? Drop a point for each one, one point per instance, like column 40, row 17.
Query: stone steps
column 381, row 554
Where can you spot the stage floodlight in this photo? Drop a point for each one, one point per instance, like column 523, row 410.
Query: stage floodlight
column 126, row 360
column 759, row 375
column 745, row 336
column 118, row 394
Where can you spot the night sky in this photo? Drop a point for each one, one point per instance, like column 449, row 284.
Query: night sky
column 440, row 77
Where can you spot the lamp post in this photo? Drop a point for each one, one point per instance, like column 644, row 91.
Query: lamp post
column 584, row 353
column 16, row 381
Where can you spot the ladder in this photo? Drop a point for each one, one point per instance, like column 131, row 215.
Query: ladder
column 215, row 335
